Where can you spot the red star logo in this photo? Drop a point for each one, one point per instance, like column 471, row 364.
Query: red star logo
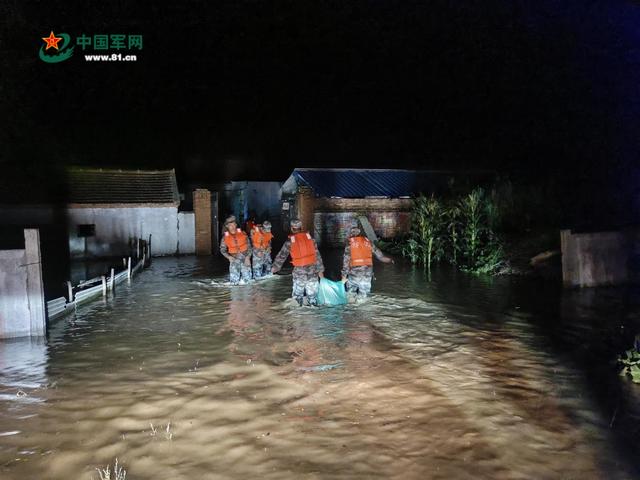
column 52, row 41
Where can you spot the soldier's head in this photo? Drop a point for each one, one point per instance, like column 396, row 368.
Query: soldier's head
column 266, row 226
column 354, row 232
column 230, row 224
column 296, row 225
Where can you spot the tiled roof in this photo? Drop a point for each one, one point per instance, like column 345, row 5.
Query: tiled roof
column 104, row 186
column 359, row 183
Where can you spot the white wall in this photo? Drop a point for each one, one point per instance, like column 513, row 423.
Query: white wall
column 114, row 227
column 186, row 233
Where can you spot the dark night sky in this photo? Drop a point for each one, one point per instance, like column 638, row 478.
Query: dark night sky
column 245, row 89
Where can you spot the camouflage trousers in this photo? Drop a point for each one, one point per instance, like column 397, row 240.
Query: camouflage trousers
column 261, row 263
column 359, row 281
column 305, row 283
column 239, row 271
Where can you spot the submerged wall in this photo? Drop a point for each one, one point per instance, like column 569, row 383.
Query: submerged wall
column 600, row 258
column 22, row 311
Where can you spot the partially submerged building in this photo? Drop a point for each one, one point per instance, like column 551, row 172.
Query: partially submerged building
column 329, row 200
column 108, row 209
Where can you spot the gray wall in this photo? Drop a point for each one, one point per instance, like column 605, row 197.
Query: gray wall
column 600, row 258
column 114, row 227
column 14, row 308
column 22, row 311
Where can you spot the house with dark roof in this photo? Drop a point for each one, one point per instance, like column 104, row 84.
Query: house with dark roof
column 108, row 209
column 329, row 200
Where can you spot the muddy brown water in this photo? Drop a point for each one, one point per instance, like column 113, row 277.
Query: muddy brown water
column 451, row 377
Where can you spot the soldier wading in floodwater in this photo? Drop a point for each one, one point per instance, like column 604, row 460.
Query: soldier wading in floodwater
column 236, row 248
column 357, row 263
column 261, row 237
column 307, row 263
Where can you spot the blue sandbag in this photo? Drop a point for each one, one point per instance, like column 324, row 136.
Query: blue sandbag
column 331, row 293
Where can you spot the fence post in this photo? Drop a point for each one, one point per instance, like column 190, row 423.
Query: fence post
column 113, row 279
column 35, row 289
column 70, row 291
column 129, row 268
column 104, row 286
column 138, row 250
column 149, row 250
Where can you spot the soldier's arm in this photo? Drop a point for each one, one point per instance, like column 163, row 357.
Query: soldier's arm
column 225, row 251
column 282, row 256
column 346, row 260
column 380, row 256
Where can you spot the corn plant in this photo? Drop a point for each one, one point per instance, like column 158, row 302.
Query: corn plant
column 463, row 233
column 472, row 224
column 426, row 239
column 453, row 229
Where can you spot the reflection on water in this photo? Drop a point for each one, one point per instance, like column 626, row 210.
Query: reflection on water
column 459, row 377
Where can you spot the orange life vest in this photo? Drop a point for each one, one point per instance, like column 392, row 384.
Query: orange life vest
column 236, row 242
column 361, row 251
column 260, row 239
column 303, row 249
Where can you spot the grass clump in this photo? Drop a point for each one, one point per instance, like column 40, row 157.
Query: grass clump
column 118, row 472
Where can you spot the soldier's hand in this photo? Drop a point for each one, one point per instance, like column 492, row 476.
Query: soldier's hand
column 321, row 274
column 343, row 279
column 247, row 261
column 274, row 270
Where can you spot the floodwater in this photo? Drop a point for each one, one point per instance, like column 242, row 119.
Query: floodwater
column 453, row 377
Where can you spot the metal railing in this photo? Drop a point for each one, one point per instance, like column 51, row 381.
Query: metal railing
column 88, row 290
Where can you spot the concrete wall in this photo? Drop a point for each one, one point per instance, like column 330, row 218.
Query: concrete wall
column 22, row 311
column 115, row 227
column 389, row 217
column 601, row 258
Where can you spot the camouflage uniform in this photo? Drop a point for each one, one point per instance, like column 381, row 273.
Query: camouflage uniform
column 262, row 256
column 238, row 270
column 305, row 279
column 261, row 262
column 359, row 278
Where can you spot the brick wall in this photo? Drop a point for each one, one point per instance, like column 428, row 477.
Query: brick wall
column 333, row 217
column 202, row 211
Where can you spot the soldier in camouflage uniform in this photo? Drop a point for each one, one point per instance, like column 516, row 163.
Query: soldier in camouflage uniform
column 307, row 263
column 236, row 248
column 261, row 242
column 357, row 263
